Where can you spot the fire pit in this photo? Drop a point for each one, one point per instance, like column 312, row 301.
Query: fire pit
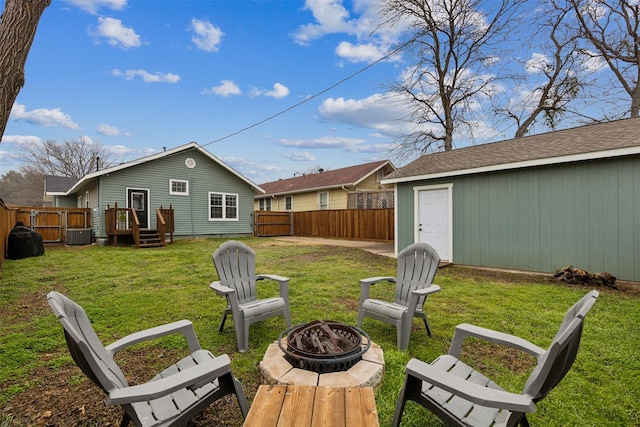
column 323, row 346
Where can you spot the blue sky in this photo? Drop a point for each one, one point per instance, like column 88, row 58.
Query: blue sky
column 140, row 75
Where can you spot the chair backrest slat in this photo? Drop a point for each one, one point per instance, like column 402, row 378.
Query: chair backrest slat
column 562, row 352
column 417, row 266
column 235, row 264
column 84, row 345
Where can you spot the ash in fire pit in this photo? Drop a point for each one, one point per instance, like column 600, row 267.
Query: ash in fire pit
column 324, row 346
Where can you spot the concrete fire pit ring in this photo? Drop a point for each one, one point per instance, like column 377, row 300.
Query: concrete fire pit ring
column 368, row 372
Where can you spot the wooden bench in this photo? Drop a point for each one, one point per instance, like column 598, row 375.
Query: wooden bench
column 299, row 406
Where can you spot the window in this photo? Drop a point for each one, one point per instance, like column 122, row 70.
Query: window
column 323, row 200
column 223, row 207
column 178, row 187
column 265, row 204
column 288, row 203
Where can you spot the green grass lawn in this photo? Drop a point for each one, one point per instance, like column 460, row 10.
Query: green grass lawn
column 126, row 289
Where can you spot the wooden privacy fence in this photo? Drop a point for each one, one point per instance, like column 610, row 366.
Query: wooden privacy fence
column 7, row 221
column 357, row 224
column 54, row 224
column 270, row 223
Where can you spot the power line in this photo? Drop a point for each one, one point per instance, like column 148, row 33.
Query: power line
column 286, row 110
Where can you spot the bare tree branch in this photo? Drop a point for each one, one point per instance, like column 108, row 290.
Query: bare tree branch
column 72, row 159
column 611, row 27
column 453, row 44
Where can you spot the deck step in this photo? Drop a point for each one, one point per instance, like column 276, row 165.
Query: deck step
column 149, row 239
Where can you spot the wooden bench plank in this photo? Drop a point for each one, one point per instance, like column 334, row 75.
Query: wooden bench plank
column 297, row 408
column 265, row 408
column 302, row 406
column 361, row 408
column 328, row 408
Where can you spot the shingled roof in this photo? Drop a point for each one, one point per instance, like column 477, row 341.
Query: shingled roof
column 336, row 178
column 58, row 184
column 595, row 141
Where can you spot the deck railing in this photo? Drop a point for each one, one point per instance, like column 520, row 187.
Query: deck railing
column 165, row 224
column 125, row 221
column 118, row 222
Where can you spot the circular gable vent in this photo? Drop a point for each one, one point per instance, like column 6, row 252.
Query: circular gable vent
column 190, row 163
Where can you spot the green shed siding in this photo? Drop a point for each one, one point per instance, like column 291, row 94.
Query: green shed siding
column 586, row 214
column 191, row 212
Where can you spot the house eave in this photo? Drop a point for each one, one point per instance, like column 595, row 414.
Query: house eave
column 595, row 155
column 190, row 146
column 304, row 190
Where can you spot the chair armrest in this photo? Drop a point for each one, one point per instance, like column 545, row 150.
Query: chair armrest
column 431, row 289
column 282, row 281
column 420, row 293
column 374, row 280
column 365, row 285
column 193, row 377
column 272, row 277
column 220, row 289
column 184, row 327
column 473, row 392
column 465, row 330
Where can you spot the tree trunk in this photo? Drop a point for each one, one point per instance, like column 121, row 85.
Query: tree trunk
column 635, row 101
column 18, row 25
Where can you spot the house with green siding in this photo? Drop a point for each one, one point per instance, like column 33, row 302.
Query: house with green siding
column 537, row 203
column 209, row 198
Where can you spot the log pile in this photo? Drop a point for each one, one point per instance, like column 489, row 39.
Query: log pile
column 318, row 338
column 576, row 276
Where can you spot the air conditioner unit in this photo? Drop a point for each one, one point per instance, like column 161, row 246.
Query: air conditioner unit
column 79, row 236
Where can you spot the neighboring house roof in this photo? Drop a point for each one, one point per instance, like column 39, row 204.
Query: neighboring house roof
column 596, row 141
column 58, row 185
column 349, row 176
column 190, row 146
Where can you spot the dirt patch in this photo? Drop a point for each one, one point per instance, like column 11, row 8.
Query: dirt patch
column 350, row 304
column 63, row 396
column 66, row 397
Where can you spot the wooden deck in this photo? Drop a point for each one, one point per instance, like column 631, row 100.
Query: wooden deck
column 300, row 406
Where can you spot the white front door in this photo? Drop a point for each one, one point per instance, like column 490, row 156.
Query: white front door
column 434, row 220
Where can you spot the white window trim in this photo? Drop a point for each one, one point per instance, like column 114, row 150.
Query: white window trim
column 176, row 193
column 285, row 203
column 224, row 207
column 320, row 206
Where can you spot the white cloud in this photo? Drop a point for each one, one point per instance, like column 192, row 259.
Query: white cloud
column 42, row 117
column 21, row 139
column 207, row 37
column 226, row 88
column 363, row 23
column 331, row 17
column 299, row 156
column 381, row 112
column 121, row 151
column 592, row 61
column 362, row 52
column 279, row 91
column 146, row 76
column 537, row 63
column 92, row 6
column 117, row 34
column 251, row 168
column 109, row 130
column 349, row 144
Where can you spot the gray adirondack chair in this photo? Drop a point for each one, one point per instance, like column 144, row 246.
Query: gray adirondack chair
column 417, row 267
column 462, row 396
column 172, row 397
column 236, row 266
